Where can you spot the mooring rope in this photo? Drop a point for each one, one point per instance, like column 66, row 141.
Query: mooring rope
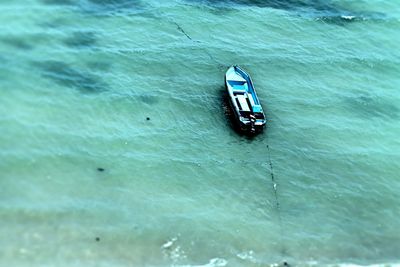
column 277, row 202
column 179, row 27
column 182, row 30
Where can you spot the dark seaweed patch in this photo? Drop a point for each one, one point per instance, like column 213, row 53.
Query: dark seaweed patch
column 112, row 5
column 81, row 40
column 320, row 5
column 99, row 65
column 369, row 106
column 65, row 75
column 17, row 43
column 323, row 10
column 59, row 2
column 54, row 23
column 115, row 3
column 104, row 6
column 98, row 6
column 148, row 99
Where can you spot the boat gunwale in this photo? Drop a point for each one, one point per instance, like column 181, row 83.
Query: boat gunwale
column 248, row 125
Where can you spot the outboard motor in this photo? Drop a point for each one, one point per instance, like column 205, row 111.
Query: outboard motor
column 252, row 122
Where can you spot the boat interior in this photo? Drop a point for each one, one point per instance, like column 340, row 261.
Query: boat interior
column 244, row 98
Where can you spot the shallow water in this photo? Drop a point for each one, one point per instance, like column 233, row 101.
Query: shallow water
column 79, row 79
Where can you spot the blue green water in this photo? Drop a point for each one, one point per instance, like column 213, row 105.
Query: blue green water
column 78, row 80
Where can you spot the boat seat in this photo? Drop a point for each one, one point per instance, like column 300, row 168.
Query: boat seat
column 244, row 105
column 239, row 92
column 233, row 82
column 239, row 89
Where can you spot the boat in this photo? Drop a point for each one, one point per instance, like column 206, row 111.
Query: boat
column 249, row 114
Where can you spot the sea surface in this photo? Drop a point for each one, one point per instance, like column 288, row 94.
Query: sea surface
column 116, row 147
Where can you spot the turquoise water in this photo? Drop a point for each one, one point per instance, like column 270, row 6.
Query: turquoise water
column 79, row 79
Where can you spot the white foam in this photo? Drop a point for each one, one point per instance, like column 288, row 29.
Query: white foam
column 247, row 255
column 348, row 17
column 169, row 243
column 216, row 262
